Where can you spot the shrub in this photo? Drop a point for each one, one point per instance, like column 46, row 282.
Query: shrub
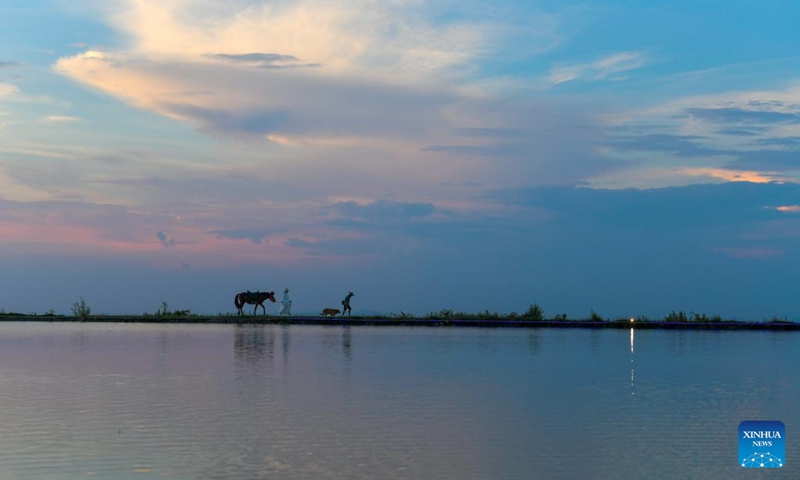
column 534, row 312
column 163, row 311
column 80, row 309
column 702, row 317
column 676, row 317
column 595, row 317
column 776, row 319
column 447, row 313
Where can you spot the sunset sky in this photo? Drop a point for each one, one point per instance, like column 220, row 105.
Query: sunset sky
column 626, row 157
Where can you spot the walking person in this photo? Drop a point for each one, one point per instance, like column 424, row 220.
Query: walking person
column 286, row 303
column 346, row 303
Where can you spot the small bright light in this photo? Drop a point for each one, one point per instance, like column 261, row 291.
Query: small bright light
column 631, row 320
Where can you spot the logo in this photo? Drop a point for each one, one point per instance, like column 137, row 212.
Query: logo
column 762, row 444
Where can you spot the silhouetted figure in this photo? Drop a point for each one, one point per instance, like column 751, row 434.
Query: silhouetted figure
column 346, row 303
column 253, row 298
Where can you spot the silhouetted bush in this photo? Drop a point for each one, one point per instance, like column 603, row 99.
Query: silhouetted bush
column 676, row 317
column 534, row 312
column 164, row 311
column 80, row 309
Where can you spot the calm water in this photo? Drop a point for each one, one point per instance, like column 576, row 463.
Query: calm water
column 290, row 402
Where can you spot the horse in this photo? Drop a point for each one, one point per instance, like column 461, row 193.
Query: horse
column 252, row 298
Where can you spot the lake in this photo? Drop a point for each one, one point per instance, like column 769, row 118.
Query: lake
column 135, row 401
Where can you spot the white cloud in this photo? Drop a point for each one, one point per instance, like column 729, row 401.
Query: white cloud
column 601, row 69
column 6, row 89
column 61, row 119
column 345, row 36
column 387, row 90
column 736, row 135
column 379, row 68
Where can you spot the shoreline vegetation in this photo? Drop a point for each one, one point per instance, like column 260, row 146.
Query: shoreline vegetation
column 533, row 318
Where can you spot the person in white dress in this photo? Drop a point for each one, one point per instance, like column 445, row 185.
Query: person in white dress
column 286, row 303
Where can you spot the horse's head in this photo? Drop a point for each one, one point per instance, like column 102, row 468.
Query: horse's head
column 271, row 296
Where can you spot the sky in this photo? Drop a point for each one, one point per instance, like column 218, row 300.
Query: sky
column 628, row 158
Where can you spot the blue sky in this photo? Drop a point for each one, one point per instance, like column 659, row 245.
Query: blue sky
column 625, row 157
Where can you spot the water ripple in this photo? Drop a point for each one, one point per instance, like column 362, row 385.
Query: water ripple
column 250, row 402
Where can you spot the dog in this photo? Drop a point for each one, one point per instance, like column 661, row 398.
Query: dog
column 329, row 312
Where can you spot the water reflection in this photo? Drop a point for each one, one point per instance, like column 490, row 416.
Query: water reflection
column 330, row 337
column 594, row 339
column 346, row 344
column 341, row 337
column 285, row 343
column 80, row 338
column 410, row 404
column 253, row 343
column 533, row 341
column 633, row 392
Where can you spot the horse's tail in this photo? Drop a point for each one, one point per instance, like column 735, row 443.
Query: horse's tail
column 237, row 301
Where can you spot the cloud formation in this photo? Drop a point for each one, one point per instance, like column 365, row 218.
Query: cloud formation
column 262, row 102
column 384, row 210
column 741, row 116
column 255, row 235
column 263, row 60
column 7, row 89
column 389, row 68
column 166, row 242
column 606, row 68
column 676, row 209
column 61, row 119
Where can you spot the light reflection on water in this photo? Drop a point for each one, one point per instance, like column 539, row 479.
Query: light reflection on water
column 633, row 393
column 245, row 402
